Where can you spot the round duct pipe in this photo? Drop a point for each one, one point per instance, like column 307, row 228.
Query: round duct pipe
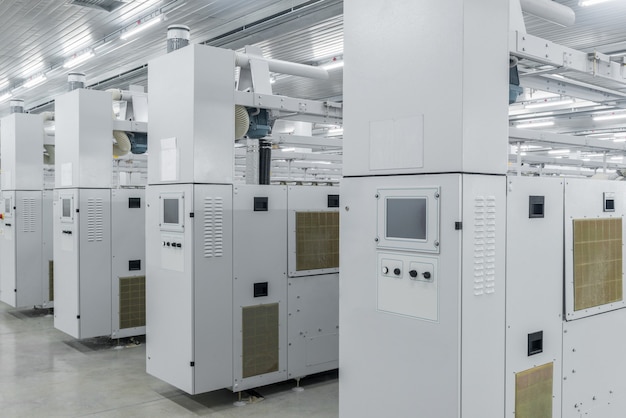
column 550, row 11
column 76, row 81
column 177, row 37
column 17, row 106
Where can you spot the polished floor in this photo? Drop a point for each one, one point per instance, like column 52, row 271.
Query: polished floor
column 45, row 373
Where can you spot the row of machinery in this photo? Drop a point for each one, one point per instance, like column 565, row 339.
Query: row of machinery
column 242, row 283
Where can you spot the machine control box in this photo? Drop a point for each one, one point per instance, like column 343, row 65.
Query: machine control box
column 408, row 285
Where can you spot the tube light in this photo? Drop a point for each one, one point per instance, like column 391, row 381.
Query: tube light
column 332, row 65
column 612, row 116
column 78, row 59
column 619, row 140
column 585, row 3
column 548, row 104
column 35, row 81
column 558, row 151
column 535, row 124
column 5, row 97
column 140, row 27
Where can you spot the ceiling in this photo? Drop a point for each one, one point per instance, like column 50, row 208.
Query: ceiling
column 40, row 36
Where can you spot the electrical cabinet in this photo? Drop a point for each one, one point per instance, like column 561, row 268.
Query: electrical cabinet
column 422, row 284
column 21, row 278
column 219, row 253
column 82, row 262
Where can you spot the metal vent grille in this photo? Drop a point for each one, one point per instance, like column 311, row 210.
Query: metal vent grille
column 132, row 302
column 260, row 339
column 597, row 262
column 29, row 214
column 213, row 227
column 484, row 245
column 95, row 219
column 51, row 280
column 317, row 240
column 533, row 392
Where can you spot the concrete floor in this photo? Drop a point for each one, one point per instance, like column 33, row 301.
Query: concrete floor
column 46, row 373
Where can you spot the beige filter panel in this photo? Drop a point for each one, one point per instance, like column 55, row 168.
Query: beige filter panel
column 132, row 302
column 597, row 262
column 533, row 392
column 317, row 240
column 260, row 339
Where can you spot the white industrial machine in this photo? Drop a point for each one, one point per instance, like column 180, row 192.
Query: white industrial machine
column 242, row 279
column 465, row 293
column 99, row 233
column 24, row 273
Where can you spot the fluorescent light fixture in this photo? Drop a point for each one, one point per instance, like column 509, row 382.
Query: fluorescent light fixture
column 35, row 81
column 78, row 59
column 5, row 97
column 612, row 116
column 619, row 140
column 549, row 104
column 586, row 159
column 288, row 149
column 558, row 151
column 4, row 84
column 620, row 158
column 140, row 27
column 523, row 154
column 585, row 3
column 332, row 65
column 334, row 132
column 536, row 124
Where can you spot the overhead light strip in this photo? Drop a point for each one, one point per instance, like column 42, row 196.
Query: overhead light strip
column 35, row 81
column 612, row 116
column 140, row 27
column 78, row 59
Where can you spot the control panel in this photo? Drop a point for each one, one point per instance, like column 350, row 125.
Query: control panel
column 172, row 255
column 408, row 285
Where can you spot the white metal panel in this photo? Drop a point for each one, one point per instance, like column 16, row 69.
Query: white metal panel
column 21, row 150
column 260, row 255
column 482, row 317
column 593, row 364
column 212, row 287
column 47, row 245
column 84, row 129
column 8, row 284
column 399, row 357
column 199, row 147
column 584, row 198
column 462, row 106
column 313, row 325
column 169, row 332
column 94, row 262
column 128, row 242
column 28, row 249
column 66, row 264
column 534, row 276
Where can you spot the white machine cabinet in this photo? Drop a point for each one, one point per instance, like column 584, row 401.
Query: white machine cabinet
column 436, row 311
column 82, row 262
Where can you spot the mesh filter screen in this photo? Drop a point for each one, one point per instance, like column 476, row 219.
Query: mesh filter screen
column 132, row 302
column 260, row 339
column 533, row 392
column 597, row 262
column 51, row 280
column 317, row 240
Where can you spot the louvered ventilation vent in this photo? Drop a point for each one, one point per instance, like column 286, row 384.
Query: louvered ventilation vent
column 95, row 219
column 132, row 302
column 106, row 5
column 213, row 227
column 28, row 215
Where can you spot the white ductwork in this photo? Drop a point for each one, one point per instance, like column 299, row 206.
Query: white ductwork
column 550, row 11
column 46, row 116
column 283, row 67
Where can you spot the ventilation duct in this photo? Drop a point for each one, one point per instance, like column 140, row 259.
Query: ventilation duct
column 550, row 11
column 177, row 37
